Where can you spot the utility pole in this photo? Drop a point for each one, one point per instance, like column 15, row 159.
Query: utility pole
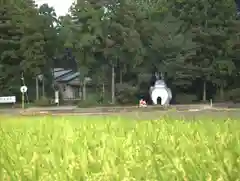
column 23, row 82
column 113, row 84
column 43, row 87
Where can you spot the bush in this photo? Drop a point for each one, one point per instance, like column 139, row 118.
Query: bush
column 43, row 102
column 183, row 98
column 92, row 100
column 87, row 104
column 234, row 95
column 126, row 94
column 218, row 98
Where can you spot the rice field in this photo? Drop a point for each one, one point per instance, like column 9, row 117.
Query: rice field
column 118, row 148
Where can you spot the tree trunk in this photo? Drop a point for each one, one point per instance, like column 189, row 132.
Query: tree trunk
column 113, row 84
column 37, row 89
column 84, row 90
column 221, row 92
column 43, row 87
column 204, row 90
column 80, row 84
column 103, row 90
column 121, row 77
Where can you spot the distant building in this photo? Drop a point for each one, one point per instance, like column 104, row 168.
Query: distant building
column 68, row 83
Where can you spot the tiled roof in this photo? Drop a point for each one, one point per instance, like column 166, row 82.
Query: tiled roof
column 60, row 73
column 75, row 81
column 70, row 76
column 57, row 69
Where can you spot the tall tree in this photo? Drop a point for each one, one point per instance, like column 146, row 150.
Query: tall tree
column 10, row 38
column 209, row 22
column 84, row 27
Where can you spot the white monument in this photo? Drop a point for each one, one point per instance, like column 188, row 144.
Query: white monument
column 160, row 90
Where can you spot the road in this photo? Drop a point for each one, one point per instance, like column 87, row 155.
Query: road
column 73, row 110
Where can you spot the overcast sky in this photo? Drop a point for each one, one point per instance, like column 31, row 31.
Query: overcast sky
column 61, row 6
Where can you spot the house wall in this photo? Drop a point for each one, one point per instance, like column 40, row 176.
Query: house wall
column 69, row 92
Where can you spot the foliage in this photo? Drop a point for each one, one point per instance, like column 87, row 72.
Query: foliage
column 95, row 99
column 193, row 43
column 10, row 36
column 234, row 95
column 185, row 98
column 126, row 94
column 43, row 102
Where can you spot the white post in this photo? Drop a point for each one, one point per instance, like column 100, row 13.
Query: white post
column 211, row 104
column 57, row 98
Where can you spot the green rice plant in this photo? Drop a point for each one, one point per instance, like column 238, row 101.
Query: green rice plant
column 111, row 148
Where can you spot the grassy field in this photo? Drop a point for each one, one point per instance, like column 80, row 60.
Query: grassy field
column 119, row 148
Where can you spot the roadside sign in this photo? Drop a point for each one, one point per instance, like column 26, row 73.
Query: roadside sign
column 8, row 99
column 23, row 89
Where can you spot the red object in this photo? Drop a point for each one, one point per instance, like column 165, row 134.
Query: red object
column 142, row 102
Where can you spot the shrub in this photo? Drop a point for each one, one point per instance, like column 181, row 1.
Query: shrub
column 93, row 99
column 218, row 98
column 234, row 95
column 87, row 104
column 183, row 98
column 126, row 94
column 42, row 102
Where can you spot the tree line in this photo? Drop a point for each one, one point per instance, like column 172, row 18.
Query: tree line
column 193, row 44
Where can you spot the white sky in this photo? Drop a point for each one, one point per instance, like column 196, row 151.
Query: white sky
column 61, row 6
